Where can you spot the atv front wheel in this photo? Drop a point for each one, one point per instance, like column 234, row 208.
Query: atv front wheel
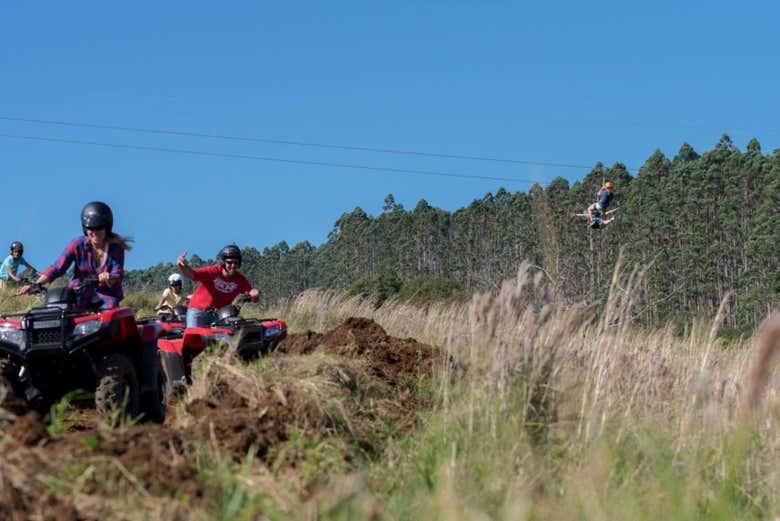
column 117, row 386
column 9, row 399
column 154, row 402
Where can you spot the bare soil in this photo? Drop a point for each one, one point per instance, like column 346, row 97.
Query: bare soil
column 68, row 477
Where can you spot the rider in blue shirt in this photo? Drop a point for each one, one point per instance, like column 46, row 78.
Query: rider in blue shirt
column 13, row 264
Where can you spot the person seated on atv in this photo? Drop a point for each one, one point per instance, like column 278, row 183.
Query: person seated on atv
column 604, row 198
column 172, row 296
column 12, row 265
column 219, row 285
column 98, row 255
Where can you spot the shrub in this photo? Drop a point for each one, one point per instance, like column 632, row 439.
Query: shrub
column 382, row 287
column 426, row 290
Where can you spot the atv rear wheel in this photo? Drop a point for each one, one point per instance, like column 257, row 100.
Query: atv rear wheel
column 117, row 386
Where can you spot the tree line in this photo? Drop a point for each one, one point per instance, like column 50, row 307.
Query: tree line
column 704, row 226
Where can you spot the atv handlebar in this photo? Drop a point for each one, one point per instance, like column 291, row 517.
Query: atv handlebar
column 89, row 281
column 234, row 308
column 242, row 298
column 30, row 288
column 34, row 288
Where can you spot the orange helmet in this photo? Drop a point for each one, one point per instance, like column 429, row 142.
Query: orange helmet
column 608, row 185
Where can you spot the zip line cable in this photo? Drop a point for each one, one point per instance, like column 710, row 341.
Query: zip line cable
column 290, row 142
column 264, row 158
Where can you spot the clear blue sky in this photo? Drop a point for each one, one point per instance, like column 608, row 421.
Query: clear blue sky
column 559, row 82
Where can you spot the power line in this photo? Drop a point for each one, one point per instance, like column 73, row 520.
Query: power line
column 291, row 142
column 264, row 158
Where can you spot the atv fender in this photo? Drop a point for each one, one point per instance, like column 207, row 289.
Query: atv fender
column 175, row 376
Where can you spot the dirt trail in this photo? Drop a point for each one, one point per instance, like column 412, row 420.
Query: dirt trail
column 157, row 460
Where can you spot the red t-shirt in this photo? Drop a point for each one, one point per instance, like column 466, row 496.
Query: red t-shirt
column 215, row 289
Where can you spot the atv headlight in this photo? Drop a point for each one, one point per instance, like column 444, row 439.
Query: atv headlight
column 86, row 328
column 12, row 335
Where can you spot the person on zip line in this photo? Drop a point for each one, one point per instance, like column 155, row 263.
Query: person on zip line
column 603, row 199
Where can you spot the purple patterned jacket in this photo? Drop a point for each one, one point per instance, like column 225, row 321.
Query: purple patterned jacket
column 79, row 252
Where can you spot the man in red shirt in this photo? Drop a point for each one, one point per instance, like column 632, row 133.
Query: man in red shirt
column 219, row 285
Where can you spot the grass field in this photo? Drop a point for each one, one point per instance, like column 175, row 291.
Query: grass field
column 530, row 410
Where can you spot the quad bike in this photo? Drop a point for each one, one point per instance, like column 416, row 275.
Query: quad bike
column 172, row 315
column 248, row 338
column 53, row 349
column 170, row 321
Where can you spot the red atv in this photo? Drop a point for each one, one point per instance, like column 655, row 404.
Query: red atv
column 169, row 322
column 174, row 316
column 249, row 338
column 51, row 350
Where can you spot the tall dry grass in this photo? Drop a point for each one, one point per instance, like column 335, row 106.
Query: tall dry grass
column 543, row 411
column 618, row 366
column 10, row 303
column 587, row 384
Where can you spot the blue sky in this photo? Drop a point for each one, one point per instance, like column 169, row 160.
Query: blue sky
column 558, row 82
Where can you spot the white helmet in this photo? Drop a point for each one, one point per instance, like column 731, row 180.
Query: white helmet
column 175, row 279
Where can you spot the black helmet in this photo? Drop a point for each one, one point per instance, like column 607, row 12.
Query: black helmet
column 231, row 251
column 97, row 215
column 16, row 245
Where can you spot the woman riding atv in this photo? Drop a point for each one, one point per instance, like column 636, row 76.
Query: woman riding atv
column 12, row 265
column 172, row 296
column 97, row 255
column 219, row 285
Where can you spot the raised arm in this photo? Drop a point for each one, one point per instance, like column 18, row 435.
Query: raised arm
column 185, row 268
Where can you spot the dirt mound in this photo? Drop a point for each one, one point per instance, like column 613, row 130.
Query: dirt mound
column 22, row 495
column 395, row 362
column 362, row 337
column 231, row 423
column 354, row 330
column 370, row 376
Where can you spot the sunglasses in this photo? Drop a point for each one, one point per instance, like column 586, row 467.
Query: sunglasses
column 95, row 228
column 232, row 263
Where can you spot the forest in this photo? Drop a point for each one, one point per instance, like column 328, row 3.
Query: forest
column 701, row 227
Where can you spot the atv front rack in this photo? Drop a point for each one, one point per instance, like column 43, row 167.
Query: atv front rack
column 45, row 328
